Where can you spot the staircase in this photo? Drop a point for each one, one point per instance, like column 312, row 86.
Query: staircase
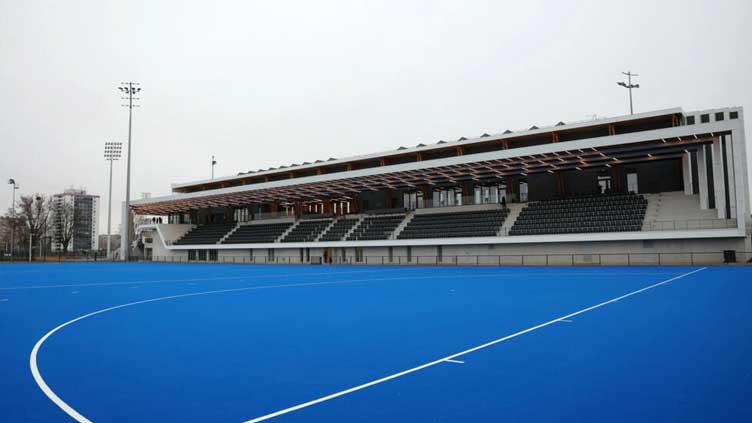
column 355, row 226
column 284, row 234
column 335, row 220
column 402, row 225
column 677, row 211
column 221, row 240
column 514, row 211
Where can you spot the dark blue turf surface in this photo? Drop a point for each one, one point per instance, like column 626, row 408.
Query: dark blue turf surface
column 679, row 352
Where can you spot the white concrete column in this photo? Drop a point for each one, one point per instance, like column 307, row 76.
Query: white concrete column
column 702, row 176
column 719, row 187
column 731, row 174
column 687, row 173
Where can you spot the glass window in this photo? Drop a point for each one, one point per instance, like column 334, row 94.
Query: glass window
column 719, row 116
column 734, row 115
column 690, row 120
column 705, row 118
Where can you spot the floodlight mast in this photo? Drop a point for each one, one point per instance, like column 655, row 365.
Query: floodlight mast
column 129, row 89
column 13, row 182
column 112, row 152
column 629, row 86
column 213, row 163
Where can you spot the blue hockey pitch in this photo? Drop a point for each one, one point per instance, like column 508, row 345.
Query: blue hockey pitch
column 107, row 342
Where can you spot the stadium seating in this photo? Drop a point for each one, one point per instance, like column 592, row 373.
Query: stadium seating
column 307, row 230
column 257, row 233
column 205, row 234
column 379, row 226
column 619, row 212
column 339, row 229
column 455, row 224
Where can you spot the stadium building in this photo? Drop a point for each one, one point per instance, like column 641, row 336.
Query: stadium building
column 660, row 187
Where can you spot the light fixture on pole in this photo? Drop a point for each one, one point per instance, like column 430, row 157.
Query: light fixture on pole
column 213, row 163
column 628, row 85
column 12, row 181
column 31, row 236
column 112, row 152
column 129, row 89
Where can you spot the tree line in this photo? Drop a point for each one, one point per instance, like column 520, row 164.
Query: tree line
column 39, row 218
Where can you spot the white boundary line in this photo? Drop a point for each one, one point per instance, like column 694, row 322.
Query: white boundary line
column 33, row 365
column 219, row 278
column 256, row 276
column 455, row 361
column 461, row 353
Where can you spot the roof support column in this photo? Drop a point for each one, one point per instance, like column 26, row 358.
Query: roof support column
column 702, row 176
column 729, row 154
column 719, row 186
column 687, row 173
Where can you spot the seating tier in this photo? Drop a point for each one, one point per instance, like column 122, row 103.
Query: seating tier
column 620, row 212
column 455, row 224
column 258, row 233
column 205, row 234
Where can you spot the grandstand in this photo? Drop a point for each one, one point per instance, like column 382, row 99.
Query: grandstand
column 666, row 181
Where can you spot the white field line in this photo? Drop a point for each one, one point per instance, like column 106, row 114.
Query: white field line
column 80, row 418
column 455, row 361
column 565, row 320
column 33, row 365
column 219, row 278
column 461, row 353
column 388, row 270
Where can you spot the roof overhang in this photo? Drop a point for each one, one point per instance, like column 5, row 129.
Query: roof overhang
column 441, row 145
column 592, row 153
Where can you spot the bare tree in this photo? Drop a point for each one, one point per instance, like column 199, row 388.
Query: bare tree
column 35, row 211
column 5, row 228
column 64, row 221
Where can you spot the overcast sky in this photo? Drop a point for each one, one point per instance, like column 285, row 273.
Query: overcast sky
column 262, row 84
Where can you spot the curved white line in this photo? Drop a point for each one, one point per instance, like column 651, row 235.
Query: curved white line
column 82, row 419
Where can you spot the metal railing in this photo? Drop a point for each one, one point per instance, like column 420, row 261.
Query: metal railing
column 689, row 224
column 596, row 259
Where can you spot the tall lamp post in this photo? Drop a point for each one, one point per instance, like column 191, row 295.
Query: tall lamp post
column 129, row 89
column 628, row 85
column 112, row 152
column 213, row 163
column 12, row 181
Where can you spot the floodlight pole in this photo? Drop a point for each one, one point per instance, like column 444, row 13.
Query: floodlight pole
column 31, row 236
column 129, row 89
column 629, row 86
column 109, row 217
column 12, row 181
column 213, row 163
column 111, row 153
